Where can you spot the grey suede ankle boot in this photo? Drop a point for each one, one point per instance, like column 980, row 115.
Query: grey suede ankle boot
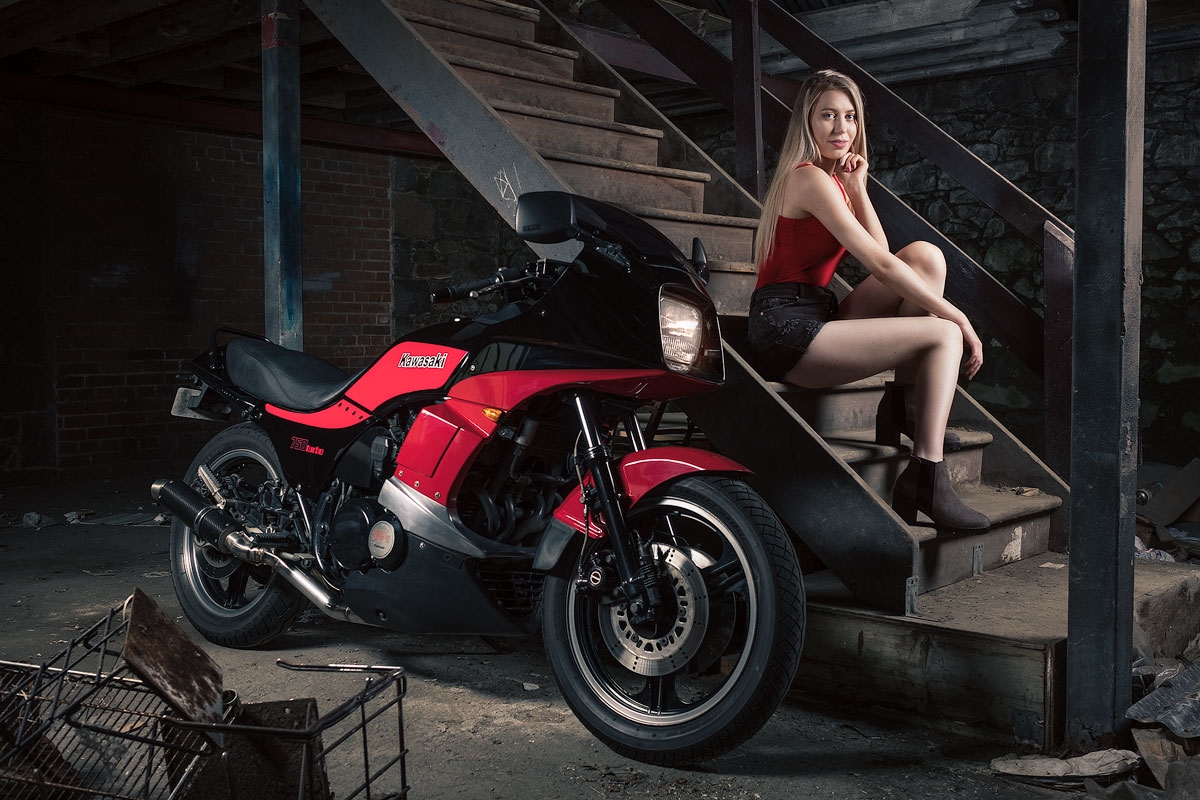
column 925, row 486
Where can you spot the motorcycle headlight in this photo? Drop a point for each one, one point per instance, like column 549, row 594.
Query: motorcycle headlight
column 681, row 326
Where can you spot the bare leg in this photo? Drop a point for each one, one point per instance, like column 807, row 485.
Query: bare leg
column 877, row 331
column 872, row 299
column 849, row 349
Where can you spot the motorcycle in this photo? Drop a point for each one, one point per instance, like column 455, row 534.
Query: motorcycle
column 490, row 475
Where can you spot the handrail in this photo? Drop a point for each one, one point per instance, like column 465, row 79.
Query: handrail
column 968, row 285
column 1025, row 213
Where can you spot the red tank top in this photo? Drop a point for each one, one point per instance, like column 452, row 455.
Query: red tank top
column 803, row 251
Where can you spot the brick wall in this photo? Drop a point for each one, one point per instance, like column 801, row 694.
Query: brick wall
column 130, row 242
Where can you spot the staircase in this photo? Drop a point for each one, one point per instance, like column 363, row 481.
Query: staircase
column 519, row 104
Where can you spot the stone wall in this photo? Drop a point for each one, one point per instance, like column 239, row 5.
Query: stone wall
column 1024, row 125
column 443, row 232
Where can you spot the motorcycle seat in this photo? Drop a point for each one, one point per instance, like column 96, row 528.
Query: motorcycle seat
column 283, row 377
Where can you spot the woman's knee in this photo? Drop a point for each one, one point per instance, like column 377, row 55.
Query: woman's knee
column 941, row 334
column 948, row 334
column 927, row 259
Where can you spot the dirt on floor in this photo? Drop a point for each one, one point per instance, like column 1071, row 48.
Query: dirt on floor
column 481, row 717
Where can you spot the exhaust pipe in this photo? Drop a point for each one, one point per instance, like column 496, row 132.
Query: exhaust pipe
column 217, row 528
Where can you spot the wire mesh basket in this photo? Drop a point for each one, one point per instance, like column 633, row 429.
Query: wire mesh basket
column 131, row 709
column 286, row 749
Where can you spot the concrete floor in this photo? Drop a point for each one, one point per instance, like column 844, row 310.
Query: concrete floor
column 481, row 718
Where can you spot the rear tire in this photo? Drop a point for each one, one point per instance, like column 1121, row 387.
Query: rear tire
column 715, row 667
column 230, row 602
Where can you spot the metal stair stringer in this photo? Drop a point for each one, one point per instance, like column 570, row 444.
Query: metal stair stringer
column 816, row 494
column 455, row 117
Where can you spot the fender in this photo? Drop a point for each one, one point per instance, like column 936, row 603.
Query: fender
column 640, row 473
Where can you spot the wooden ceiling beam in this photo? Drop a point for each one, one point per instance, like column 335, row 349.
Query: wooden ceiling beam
column 24, row 26
column 237, row 46
column 163, row 29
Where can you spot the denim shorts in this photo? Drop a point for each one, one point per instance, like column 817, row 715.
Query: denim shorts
column 784, row 319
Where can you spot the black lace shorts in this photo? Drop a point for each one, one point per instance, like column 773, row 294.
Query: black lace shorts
column 784, row 319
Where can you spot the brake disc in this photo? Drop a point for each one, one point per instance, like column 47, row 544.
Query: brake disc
column 669, row 643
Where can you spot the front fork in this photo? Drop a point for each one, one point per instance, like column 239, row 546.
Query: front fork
column 637, row 571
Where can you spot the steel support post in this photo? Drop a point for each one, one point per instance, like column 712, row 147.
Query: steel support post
column 283, row 280
column 1104, row 431
column 747, row 98
column 1058, row 271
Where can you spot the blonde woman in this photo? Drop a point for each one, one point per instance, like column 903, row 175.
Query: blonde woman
column 817, row 210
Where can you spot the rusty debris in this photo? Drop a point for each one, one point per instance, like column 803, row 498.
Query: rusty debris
column 133, row 709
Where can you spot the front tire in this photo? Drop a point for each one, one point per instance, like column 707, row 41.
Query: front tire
column 712, row 670
column 230, row 602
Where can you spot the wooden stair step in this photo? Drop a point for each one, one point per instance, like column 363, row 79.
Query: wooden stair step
column 725, row 238
column 1020, row 529
column 485, row 16
column 880, row 464
column 624, row 182
column 505, row 84
column 453, row 39
column 546, row 128
column 991, row 650
column 730, row 284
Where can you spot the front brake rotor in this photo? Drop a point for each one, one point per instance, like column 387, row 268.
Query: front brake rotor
column 672, row 640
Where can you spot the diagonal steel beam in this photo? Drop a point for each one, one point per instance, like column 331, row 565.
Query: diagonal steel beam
column 450, row 112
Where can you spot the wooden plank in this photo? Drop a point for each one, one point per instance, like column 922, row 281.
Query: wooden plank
column 1000, row 688
column 486, row 18
column 496, row 85
column 560, row 134
column 629, row 187
column 721, row 242
column 495, row 51
column 31, row 23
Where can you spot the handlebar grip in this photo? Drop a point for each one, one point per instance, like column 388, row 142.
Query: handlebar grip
column 461, row 291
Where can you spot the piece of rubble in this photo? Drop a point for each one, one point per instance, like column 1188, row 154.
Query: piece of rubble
column 1066, row 773
column 34, row 519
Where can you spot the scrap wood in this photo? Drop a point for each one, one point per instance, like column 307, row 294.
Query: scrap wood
column 162, row 654
column 1160, row 749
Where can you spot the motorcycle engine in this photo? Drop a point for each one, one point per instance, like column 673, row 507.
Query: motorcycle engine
column 366, row 535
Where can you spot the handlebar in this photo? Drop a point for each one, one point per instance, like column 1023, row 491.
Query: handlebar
column 461, row 291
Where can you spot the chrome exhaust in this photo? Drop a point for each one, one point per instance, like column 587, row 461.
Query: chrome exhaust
column 216, row 527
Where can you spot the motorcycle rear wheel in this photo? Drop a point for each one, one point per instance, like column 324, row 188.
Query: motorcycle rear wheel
column 230, row 602
column 712, row 671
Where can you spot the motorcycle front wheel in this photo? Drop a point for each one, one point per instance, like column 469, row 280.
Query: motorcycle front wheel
column 230, row 602
column 724, row 648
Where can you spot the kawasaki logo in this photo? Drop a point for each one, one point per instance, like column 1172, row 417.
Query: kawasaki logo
column 408, row 361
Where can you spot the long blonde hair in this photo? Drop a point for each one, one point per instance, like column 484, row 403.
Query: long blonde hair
column 799, row 146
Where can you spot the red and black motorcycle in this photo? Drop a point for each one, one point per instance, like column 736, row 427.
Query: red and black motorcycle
column 489, row 475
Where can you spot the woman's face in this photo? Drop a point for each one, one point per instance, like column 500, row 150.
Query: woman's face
column 834, row 124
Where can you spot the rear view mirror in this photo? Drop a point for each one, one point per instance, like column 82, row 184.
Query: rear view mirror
column 546, row 217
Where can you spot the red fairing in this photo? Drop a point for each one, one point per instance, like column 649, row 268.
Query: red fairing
column 339, row 415
column 407, row 367
column 442, row 440
column 505, row 390
column 642, row 471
